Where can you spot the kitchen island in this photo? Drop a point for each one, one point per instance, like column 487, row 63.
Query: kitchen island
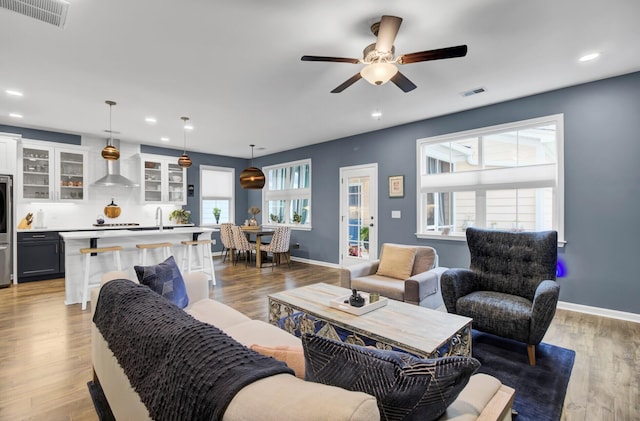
column 130, row 255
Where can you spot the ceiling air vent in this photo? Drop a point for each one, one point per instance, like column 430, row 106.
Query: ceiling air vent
column 49, row 11
column 473, row 92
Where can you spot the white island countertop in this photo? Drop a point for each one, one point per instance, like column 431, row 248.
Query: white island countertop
column 105, row 227
column 81, row 235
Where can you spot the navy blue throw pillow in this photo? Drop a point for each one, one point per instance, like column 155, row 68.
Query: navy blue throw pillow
column 165, row 279
column 406, row 387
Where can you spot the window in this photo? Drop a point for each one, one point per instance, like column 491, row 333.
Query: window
column 216, row 195
column 503, row 177
column 287, row 194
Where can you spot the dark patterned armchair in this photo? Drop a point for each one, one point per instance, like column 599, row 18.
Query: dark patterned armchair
column 510, row 289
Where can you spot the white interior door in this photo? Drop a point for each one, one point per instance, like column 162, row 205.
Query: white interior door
column 358, row 214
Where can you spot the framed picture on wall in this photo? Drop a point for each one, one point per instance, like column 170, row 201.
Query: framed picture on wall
column 396, row 186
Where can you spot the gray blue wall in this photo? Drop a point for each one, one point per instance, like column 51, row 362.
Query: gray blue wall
column 602, row 185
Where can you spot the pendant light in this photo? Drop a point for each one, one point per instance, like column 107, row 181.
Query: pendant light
column 252, row 178
column 110, row 152
column 184, row 161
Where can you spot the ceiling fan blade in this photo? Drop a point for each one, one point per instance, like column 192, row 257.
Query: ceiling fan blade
column 441, row 53
column 389, row 26
column 331, row 59
column 402, row 82
column 347, row 83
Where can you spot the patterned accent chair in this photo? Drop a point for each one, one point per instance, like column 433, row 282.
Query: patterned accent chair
column 510, row 289
column 226, row 238
column 242, row 244
column 279, row 245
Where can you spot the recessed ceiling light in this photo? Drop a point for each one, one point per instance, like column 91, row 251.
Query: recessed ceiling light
column 13, row 92
column 151, row 120
column 589, row 57
column 376, row 114
column 15, row 115
column 164, row 139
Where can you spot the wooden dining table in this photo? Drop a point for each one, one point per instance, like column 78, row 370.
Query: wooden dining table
column 259, row 233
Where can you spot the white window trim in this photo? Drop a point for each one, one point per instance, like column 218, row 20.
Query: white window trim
column 232, row 200
column 287, row 195
column 558, row 210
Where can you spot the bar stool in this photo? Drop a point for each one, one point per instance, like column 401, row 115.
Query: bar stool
column 87, row 267
column 205, row 251
column 166, row 250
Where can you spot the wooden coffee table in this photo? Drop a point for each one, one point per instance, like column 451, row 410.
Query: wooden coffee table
column 400, row 326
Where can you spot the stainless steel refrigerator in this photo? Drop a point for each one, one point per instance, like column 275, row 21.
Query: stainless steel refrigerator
column 6, row 226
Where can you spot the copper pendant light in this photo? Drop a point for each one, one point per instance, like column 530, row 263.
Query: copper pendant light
column 184, row 161
column 110, row 152
column 252, row 178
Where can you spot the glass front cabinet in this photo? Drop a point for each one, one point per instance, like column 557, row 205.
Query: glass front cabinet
column 164, row 181
column 52, row 174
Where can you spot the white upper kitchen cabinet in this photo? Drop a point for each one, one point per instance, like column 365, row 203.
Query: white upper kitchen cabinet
column 7, row 154
column 51, row 173
column 163, row 180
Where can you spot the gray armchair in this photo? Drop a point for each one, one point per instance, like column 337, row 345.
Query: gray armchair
column 510, row 289
column 407, row 273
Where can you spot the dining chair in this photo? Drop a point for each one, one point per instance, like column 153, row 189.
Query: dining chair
column 279, row 245
column 242, row 244
column 226, row 237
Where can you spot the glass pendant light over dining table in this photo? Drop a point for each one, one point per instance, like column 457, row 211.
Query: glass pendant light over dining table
column 110, row 152
column 252, row 178
column 184, row 161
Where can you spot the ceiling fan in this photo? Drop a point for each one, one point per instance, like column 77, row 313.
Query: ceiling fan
column 379, row 57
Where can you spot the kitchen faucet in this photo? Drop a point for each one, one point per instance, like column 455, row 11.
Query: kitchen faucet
column 159, row 220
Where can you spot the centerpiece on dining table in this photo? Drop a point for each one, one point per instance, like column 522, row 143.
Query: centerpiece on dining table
column 252, row 223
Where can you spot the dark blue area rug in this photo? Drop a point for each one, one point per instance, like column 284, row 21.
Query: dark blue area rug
column 100, row 402
column 540, row 390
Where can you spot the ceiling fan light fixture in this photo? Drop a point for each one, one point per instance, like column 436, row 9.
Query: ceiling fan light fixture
column 252, row 178
column 379, row 73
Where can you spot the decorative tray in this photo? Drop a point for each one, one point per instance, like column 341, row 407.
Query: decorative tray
column 340, row 304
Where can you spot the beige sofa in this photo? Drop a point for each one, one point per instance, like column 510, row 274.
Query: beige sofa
column 283, row 396
column 403, row 273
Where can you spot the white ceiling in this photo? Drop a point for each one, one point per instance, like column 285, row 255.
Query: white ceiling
column 234, row 67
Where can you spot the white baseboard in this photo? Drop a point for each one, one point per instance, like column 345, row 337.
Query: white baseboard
column 597, row 311
column 315, row 262
column 299, row 259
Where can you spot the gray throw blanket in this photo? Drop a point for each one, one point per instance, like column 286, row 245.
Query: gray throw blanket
column 183, row 369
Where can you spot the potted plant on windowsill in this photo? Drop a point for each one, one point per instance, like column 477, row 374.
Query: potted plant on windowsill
column 275, row 218
column 216, row 214
column 182, row 216
column 297, row 218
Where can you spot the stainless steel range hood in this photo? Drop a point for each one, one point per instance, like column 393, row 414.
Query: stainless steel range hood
column 113, row 177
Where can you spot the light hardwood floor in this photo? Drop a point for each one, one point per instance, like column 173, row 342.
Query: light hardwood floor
column 45, row 356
